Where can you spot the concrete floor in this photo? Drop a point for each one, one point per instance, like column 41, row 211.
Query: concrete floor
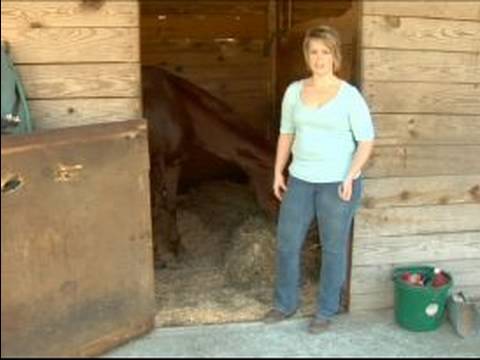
column 372, row 334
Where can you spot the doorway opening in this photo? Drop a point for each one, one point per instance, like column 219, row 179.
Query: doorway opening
column 245, row 54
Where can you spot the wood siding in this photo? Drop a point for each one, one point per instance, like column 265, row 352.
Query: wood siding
column 79, row 61
column 420, row 75
column 218, row 45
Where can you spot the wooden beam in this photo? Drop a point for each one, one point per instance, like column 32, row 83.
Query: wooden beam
column 81, row 80
column 205, row 26
column 459, row 10
column 49, row 114
column 272, row 82
column 419, row 220
column 397, row 32
column 377, row 250
column 412, row 97
column 67, row 45
column 422, row 129
column 419, row 191
column 69, row 13
column 418, row 160
column 204, row 7
column 427, row 66
column 201, row 52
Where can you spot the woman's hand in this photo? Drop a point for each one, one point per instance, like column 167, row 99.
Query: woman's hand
column 279, row 186
column 345, row 189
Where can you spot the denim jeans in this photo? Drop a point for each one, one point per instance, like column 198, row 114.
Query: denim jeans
column 301, row 203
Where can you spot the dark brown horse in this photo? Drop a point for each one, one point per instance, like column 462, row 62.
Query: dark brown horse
column 183, row 117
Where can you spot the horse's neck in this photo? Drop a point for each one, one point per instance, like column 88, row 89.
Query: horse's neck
column 217, row 130
column 220, row 135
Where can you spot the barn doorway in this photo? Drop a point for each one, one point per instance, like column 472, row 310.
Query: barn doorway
column 244, row 53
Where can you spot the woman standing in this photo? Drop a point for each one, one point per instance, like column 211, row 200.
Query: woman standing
column 327, row 127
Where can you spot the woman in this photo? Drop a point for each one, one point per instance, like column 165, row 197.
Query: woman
column 326, row 125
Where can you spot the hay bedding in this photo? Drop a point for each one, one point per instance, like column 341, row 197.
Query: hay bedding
column 227, row 271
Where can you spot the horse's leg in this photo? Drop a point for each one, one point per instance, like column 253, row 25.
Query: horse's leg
column 172, row 177
column 159, row 212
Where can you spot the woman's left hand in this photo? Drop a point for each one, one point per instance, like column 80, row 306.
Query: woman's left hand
column 345, row 190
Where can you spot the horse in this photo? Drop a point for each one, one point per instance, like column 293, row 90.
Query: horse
column 183, row 117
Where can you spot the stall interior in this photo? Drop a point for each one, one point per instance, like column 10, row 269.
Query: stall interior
column 243, row 53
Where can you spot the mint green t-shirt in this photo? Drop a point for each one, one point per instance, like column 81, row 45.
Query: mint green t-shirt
column 325, row 136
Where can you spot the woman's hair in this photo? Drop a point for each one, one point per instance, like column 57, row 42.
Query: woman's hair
column 330, row 38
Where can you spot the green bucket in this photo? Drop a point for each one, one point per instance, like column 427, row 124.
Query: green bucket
column 419, row 308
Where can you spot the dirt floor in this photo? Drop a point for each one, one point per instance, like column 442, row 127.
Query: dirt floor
column 227, row 271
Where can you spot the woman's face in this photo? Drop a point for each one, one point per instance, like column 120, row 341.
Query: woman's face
column 320, row 58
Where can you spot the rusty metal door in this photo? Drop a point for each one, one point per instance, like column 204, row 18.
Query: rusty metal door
column 76, row 248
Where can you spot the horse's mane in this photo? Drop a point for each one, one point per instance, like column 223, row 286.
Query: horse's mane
column 224, row 112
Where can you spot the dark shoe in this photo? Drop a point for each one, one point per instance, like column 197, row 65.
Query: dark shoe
column 274, row 316
column 318, row 325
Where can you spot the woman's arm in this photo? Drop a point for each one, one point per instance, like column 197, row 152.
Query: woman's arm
column 284, row 146
column 364, row 150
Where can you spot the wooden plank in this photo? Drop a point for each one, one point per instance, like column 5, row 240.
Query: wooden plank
column 460, row 10
column 49, row 114
column 412, row 97
column 214, row 60
column 205, row 26
column 222, row 72
column 346, row 25
column 422, row 129
column 377, row 277
column 306, row 10
column 377, row 250
column 417, row 220
column 433, row 66
column 156, row 51
column 272, row 51
column 416, row 160
column 204, row 7
column 81, row 80
column 420, row 33
column 64, row 45
column 384, row 300
column 69, row 13
column 418, row 191
column 371, row 301
column 60, row 137
column 240, row 87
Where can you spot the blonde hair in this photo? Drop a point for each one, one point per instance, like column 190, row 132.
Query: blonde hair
column 330, row 38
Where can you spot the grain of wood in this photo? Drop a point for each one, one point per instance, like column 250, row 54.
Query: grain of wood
column 81, row 80
column 397, row 32
column 49, row 114
column 454, row 10
column 419, row 191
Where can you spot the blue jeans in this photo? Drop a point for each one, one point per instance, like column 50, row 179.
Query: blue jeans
column 301, row 202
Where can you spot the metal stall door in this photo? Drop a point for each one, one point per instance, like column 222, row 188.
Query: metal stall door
column 76, row 246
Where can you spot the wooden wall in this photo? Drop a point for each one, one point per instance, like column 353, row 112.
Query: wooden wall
column 294, row 17
column 78, row 59
column 421, row 77
column 218, row 45
column 229, row 47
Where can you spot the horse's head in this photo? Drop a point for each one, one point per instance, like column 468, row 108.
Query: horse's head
column 260, row 169
column 264, row 194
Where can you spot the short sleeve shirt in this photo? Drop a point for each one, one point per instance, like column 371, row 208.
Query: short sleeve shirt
column 325, row 136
